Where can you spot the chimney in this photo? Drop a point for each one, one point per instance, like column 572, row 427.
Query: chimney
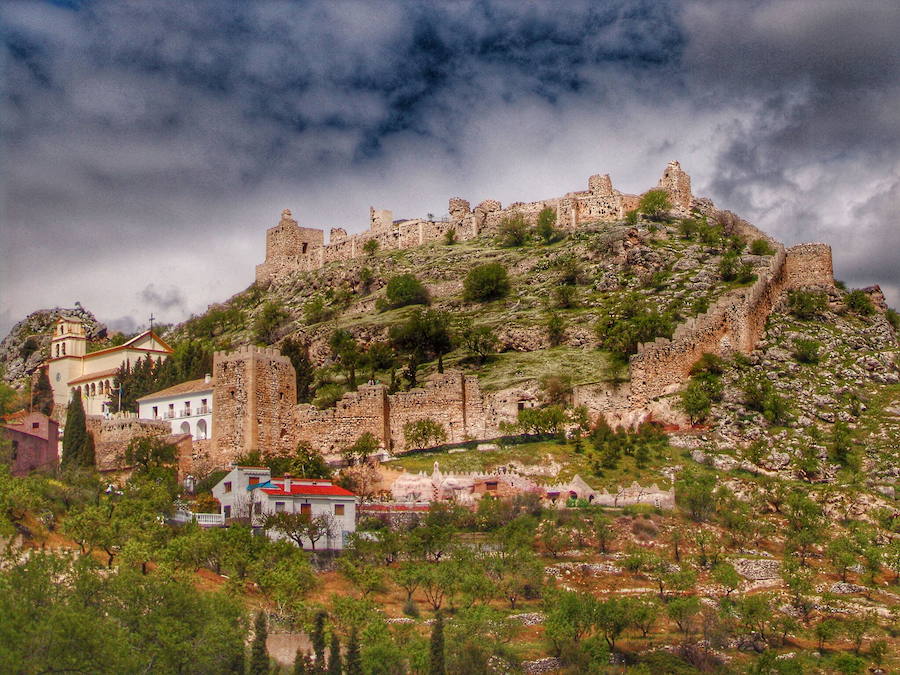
column 207, row 378
column 287, row 482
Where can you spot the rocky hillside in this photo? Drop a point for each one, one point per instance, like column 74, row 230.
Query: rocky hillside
column 28, row 343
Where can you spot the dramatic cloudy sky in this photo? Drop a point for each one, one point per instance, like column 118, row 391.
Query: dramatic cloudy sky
column 148, row 144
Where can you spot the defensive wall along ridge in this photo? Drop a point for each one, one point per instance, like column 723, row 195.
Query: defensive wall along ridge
column 255, row 387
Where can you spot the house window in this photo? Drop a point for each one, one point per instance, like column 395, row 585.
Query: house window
column 228, row 486
column 227, row 510
column 35, row 425
column 491, row 486
column 338, row 509
column 254, row 480
column 306, row 509
column 15, row 450
column 279, row 507
column 155, row 412
column 257, row 508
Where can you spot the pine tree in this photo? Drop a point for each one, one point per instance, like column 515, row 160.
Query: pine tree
column 436, row 658
column 318, row 640
column 298, row 353
column 353, row 658
column 259, row 657
column 334, row 656
column 76, row 438
column 42, row 394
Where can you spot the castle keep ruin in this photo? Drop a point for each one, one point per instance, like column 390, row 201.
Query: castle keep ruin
column 291, row 248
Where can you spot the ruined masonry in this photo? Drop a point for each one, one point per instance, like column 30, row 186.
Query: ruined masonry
column 255, row 389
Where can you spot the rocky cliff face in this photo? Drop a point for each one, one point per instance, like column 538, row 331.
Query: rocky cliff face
column 28, row 343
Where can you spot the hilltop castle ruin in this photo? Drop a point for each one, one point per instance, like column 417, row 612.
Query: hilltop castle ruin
column 291, row 248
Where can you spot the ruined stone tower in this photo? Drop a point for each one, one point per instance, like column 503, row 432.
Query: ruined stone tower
column 255, row 393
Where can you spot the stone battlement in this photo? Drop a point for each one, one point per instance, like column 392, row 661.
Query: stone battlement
column 291, row 248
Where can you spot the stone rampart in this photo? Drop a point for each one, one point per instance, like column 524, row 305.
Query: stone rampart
column 291, row 248
column 112, row 435
column 809, row 265
column 255, row 392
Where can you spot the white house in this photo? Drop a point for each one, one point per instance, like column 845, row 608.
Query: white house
column 250, row 492
column 187, row 406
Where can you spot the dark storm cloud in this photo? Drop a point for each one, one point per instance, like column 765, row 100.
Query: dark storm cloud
column 152, row 142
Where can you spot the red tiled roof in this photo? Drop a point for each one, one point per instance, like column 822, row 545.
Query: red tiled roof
column 324, row 488
column 387, row 508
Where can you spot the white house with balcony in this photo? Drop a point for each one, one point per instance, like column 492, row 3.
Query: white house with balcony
column 251, row 493
column 187, row 406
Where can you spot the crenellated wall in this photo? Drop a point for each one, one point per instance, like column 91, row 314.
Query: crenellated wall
column 291, row 248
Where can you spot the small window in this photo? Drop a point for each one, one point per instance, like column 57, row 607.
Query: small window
column 257, row 508
column 279, row 507
column 155, row 412
column 306, row 509
column 228, row 486
column 491, row 485
column 227, row 510
column 15, row 449
column 35, row 425
column 338, row 509
column 254, row 480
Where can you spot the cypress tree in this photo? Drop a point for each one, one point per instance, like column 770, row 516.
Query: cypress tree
column 318, row 640
column 436, row 656
column 42, row 394
column 334, row 656
column 76, row 437
column 302, row 664
column 259, row 657
column 353, row 658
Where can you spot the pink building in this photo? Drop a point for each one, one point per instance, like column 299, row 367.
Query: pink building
column 35, row 442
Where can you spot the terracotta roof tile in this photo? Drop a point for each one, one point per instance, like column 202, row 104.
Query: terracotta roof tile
column 188, row 387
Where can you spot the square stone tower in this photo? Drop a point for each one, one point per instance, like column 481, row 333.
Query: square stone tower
column 255, row 392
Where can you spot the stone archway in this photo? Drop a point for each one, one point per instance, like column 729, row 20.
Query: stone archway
column 201, row 430
column 185, row 428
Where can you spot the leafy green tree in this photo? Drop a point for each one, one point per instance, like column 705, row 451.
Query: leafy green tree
column 644, row 613
column 727, row 577
column 486, row 282
column 556, row 329
column 423, row 334
column 371, row 247
column 423, row 433
column 760, row 395
column 436, row 650
column 627, row 320
column 346, row 351
column 268, row 322
column 546, row 222
column 259, row 656
column 405, row 289
column 807, row 351
column 612, row 618
column 655, row 204
column 364, row 447
column 570, row 617
column 683, row 612
column 298, row 352
column 548, row 420
column 149, row 452
column 513, row 231
column 603, row 531
column 826, row 630
column 303, row 665
column 380, row 356
column 694, row 401
column 78, row 444
column 479, row 339
column 694, row 493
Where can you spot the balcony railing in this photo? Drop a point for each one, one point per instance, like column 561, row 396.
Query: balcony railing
column 169, row 414
column 185, row 413
column 203, row 410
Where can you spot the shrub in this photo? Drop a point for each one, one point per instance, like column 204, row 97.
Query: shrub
column 450, row 236
column 858, row 302
column 549, row 420
column 728, row 267
column 688, row 228
column 625, row 321
column 557, row 388
column 694, row 401
column 631, row 217
column 760, row 395
column 571, row 272
column 268, row 323
column 655, row 204
column 556, row 329
column 371, row 246
column 893, row 318
column 806, row 351
column 761, row 247
column 486, row 282
column 423, row 433
column 565, row 297
column 745, row 274
column 513, row 231
column 709, row 363
column 546, row 222
column 807, row 305
column 403, row 290
column 316, row 311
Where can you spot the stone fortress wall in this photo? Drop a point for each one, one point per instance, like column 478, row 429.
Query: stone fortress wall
column 291, row 248
column 255, row 388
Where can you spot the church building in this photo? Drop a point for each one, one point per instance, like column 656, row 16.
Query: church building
column 74, row 370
